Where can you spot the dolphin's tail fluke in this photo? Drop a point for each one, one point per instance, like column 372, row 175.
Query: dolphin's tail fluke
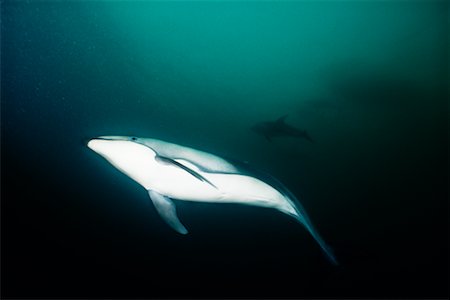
column 325, row 248
column 292, row 207
column 303, row 219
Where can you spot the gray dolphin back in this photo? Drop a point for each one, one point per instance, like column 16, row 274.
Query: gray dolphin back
column 205, row 161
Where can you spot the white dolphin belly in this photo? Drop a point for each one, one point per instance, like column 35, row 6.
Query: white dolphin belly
column 226, row 188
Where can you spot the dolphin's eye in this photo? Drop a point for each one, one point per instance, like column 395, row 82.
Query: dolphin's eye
column 133, row 138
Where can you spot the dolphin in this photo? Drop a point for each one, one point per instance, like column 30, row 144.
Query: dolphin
column 279, row 128
column 170, row 171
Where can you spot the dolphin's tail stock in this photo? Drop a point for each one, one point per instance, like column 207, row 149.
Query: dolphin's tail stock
column 293, row 207
column 325, row 248
column 301, row 216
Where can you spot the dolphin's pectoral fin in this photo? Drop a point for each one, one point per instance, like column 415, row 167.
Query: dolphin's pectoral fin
column 167, row 210
column 171, row 161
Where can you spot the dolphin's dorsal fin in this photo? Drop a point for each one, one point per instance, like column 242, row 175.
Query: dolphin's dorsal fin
column 171, row 161
column 281, row 120
column 167, row 210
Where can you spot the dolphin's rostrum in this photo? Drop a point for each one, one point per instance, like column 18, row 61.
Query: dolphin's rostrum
column 170, row 171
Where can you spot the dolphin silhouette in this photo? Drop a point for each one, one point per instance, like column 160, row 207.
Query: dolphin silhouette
column 279, row 128
column 169, row 170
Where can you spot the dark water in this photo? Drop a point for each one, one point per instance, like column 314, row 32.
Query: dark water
column 367, row 79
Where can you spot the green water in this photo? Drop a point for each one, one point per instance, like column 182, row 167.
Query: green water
column 368, row 80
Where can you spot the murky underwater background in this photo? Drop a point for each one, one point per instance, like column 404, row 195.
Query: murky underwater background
column 367, row 79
